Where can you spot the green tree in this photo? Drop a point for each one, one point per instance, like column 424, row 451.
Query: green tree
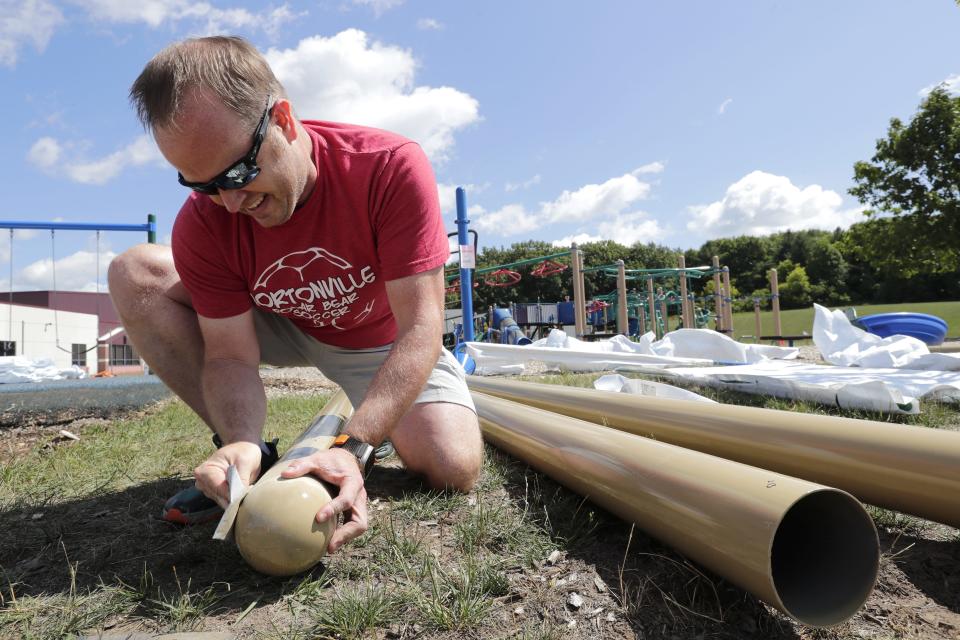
column 912, row 185
column 795, row 293
column 748, row 257
column 825, row 263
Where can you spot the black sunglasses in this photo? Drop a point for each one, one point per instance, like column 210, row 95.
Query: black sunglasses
column 240, row 173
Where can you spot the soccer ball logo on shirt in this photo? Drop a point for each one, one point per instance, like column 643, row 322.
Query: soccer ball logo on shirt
column 300, row 284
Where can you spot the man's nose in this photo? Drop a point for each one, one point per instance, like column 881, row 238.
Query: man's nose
column 233, row 199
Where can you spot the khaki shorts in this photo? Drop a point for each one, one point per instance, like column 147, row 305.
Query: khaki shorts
column 283, row 344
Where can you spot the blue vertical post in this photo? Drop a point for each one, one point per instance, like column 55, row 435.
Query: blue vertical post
column 466, row 286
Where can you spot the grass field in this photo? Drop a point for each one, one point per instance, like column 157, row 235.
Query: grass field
column 83, row 551
column 797, row 321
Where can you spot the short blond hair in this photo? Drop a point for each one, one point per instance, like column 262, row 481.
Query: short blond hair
column 227, row 66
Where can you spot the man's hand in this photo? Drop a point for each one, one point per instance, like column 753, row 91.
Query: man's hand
column 339, row 468
column 211, row 475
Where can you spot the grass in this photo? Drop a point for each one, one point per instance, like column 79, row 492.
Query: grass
column 353, row 611
column 82, row 551
column 794, row 322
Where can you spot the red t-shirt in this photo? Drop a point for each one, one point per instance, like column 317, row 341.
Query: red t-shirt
column 373, row 216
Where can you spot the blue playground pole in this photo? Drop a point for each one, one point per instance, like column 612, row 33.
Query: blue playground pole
column 466, row 286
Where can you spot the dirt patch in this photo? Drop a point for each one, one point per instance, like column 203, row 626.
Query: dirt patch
column 295, row 381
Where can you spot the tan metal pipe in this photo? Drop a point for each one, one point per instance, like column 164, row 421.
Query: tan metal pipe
column 811, row 551
column 276, row 528
column 915, row 470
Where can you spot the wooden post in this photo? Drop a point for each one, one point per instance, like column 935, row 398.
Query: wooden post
column 717, row 297
column 775, row 299
column 727, row 302
column 757, row 326
column 622, row 325
column 103, row 357
column 583, row 293
column 652, row 304
column 685, row 305
column 641, row 319
column 579, row 321
column 665, row 315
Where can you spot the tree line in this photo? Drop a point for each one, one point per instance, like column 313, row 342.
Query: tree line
column 906, row 249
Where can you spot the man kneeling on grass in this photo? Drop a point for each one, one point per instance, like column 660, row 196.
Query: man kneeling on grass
column 302, row 243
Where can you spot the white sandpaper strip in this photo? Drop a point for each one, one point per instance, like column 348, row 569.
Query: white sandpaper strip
column 238, row 489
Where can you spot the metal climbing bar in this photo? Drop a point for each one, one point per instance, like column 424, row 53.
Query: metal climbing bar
column 691, row 272
column 150, row 228
column 509, row 265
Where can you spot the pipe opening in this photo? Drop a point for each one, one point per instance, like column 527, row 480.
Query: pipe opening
column 825, row 558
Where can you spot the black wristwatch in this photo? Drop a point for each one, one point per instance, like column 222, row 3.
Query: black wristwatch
column 359, row 448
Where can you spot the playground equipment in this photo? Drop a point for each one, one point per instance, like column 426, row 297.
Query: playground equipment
column 504, row 324
column 910, row 469
column 499, row 275
column 809, row 550
column 930, row 329
column 651, row 310
column 150, row 228
column 276, row 528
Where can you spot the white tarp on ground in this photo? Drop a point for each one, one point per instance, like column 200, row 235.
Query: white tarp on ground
column 684, row 347
column 618, row 384
column 872, row 389
column 843, row 344
column 23, row 369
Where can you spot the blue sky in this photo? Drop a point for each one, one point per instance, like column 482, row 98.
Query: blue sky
column 666, row 122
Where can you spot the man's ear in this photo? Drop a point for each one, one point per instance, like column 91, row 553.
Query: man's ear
column 283, row 116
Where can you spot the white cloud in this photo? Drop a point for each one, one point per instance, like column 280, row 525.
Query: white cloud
column 624, row 228
column 951, row 83
column 628, row 228
column 506, row 221
column 76, row 272
column 155, row 13
column 347, row 78
column 448, row 196
column 18, row 235
column 26, row 22
column 651, row 167
column 762, row 203
column 580, row 238
column 514, row 186
column 429, row 24
column 604, row 206
column 723, row 106
column 379, row 6
column 46, row 152
column 596, row 200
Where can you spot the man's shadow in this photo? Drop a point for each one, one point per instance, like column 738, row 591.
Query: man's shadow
column 933, row 566
column 118, row 539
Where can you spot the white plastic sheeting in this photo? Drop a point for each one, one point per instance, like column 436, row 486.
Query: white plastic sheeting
column 618, row 384
column 843, row 344
column 684, row 347
column 23, row 369
column 884, row 390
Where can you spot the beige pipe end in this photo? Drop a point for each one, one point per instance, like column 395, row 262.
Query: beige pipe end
column 277, row 531
column 825, row 558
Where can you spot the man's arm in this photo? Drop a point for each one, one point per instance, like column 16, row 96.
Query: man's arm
column 234, row 396
column 417, row 305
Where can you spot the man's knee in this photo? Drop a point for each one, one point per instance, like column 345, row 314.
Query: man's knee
column 139, row 272
column 441, row 442
column 459, row 472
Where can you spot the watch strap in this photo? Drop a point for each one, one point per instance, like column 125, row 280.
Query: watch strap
column 361, row 450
